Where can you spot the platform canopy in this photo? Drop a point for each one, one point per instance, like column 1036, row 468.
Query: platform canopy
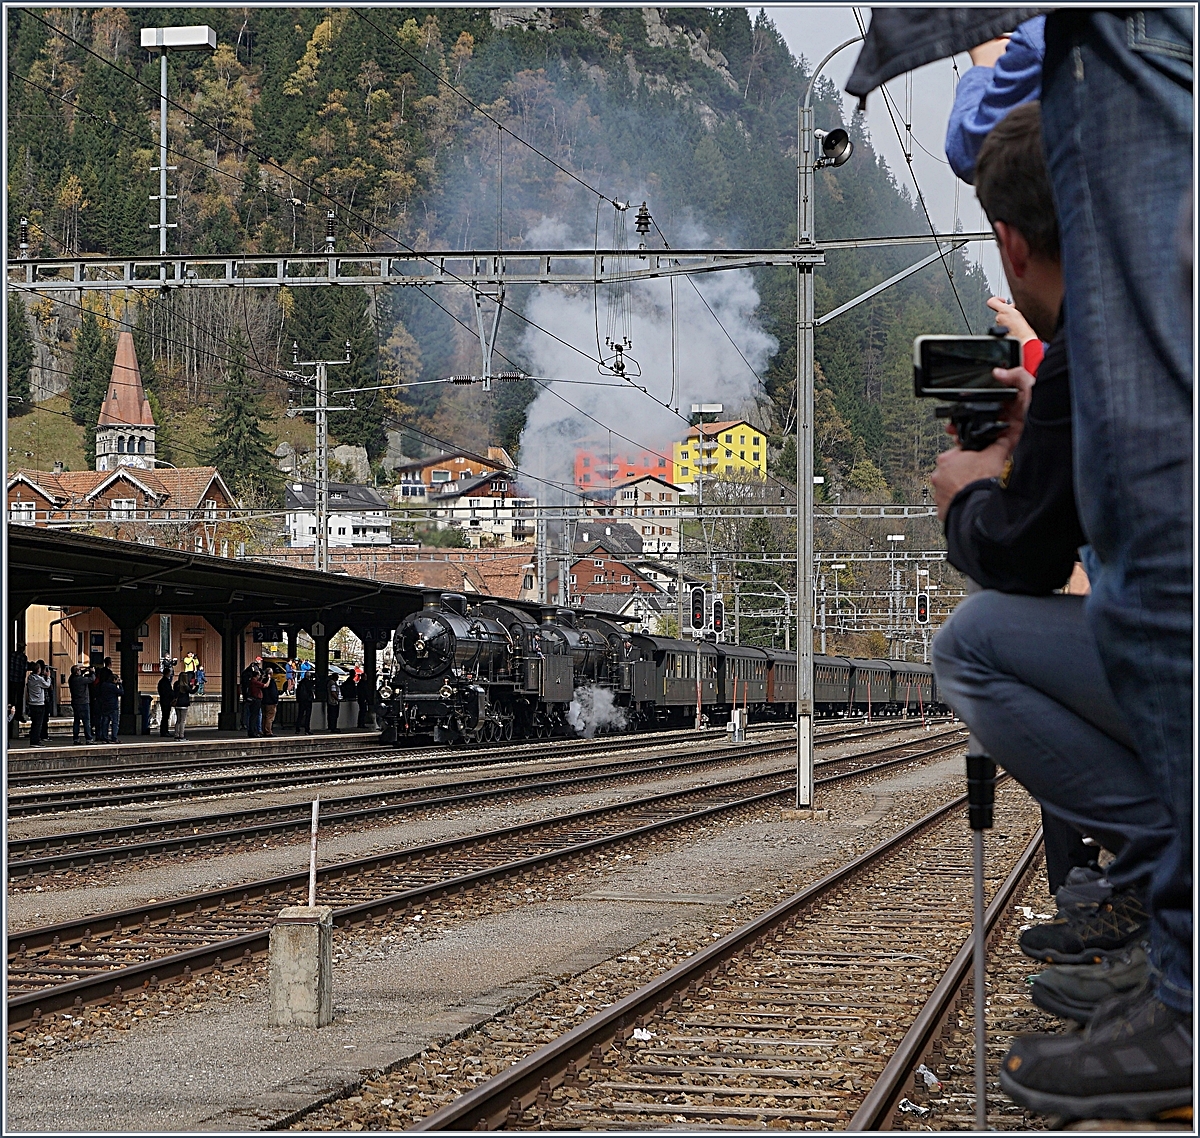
column 131, row 582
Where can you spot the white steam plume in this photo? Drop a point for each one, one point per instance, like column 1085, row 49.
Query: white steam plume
column 708, row 367
column 593, row 710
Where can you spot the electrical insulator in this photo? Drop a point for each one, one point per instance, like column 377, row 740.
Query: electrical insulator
column 23, row 241
column 697, row 608
column 922, row 608
column 718, row 616
column 642, row 225
column 295, row 353
column 330, row 228
column 347, row 351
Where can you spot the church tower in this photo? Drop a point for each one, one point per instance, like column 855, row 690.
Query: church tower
column 126, row 428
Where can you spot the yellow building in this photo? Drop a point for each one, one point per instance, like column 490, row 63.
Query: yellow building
column 720, row 450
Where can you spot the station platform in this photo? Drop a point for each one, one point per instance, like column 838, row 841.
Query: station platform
column 133, row 751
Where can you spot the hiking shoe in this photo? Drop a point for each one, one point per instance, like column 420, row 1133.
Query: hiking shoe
column 1135, row 1062
column 1085, row 934
column 1084, row 885
column 1074, row 991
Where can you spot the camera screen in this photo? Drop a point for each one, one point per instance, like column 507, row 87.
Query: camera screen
column 964, row 363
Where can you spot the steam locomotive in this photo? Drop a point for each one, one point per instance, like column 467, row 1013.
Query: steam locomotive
column 486, row 672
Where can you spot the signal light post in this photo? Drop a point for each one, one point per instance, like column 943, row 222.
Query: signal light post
column 698, row 632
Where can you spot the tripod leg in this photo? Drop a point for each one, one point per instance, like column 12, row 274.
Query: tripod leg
column 981, row 1112
column 981, row 796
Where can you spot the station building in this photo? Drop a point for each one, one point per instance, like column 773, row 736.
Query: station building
column 131, row 496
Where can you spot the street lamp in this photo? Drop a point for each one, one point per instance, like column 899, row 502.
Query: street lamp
column 196, row 38
column 836, row 148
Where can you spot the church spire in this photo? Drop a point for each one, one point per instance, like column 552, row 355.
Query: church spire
column 125, row 430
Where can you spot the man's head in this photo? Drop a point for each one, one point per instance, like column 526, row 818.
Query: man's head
column 1013, row 186
column 74, row 669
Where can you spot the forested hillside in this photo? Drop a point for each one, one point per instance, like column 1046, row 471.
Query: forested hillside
column 378, row 114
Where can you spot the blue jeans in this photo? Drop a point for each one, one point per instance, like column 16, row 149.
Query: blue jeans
column 1117, row 126
column 106, row 732
column 1025, row 675
column 83, row 719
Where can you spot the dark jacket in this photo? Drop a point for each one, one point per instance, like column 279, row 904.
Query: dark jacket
column 903, row 39
column 182, row 692
column 166, row 691
column 306, row 689
column 81, row 688
column 1020, row 533
column 270, row 689
column 349, row 689
column 108, row 697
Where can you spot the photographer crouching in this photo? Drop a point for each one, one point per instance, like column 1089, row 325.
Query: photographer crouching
column 1018, row 662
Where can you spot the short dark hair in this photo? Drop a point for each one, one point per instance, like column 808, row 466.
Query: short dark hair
column 1011, row 180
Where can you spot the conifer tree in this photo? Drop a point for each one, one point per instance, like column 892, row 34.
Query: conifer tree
column 94, row 354
column 241, row 450
column 20, row 355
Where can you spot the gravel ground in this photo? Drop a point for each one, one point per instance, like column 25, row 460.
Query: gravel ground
column 66, row 894
column 404, row 989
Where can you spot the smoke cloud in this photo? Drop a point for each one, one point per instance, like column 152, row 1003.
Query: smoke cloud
column 593, row 710
column 708, row 367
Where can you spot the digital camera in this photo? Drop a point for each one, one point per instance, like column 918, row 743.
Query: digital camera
column 959, row 369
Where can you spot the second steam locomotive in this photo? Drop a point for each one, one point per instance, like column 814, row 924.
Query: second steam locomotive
column 478, row 673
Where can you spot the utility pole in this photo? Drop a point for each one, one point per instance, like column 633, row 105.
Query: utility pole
column 162, row 40
column 543, row 584
column 322, row 409
column 835, row 151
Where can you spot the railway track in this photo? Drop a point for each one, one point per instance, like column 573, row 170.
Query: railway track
column 57, row 852
column 105, row 956
column 790, row 1021
column 124, row 793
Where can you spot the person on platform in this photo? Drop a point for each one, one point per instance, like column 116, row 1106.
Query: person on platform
column 306, row 691
column 166, row 697
column 200, row 678
column 183, row 700
column 108, row 694
column 289, row 673
column 37, row 700
column 350, row 688
column 81, row 684
column 333, row 699
column 270, row 702
column 247, row 673
column 190, row 663
column 18, row 671
column 365, row 696
column 254, row 703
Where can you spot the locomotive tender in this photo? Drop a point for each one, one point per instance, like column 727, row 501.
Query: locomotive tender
column 490, row 671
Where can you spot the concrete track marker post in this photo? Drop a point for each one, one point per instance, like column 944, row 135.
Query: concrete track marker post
column 301, row 947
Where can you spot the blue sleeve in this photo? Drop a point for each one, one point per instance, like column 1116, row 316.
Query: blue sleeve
column 986, row 94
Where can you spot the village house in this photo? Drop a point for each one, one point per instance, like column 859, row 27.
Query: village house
column 358, row 515
column 720, row 451
column 444, row 473
column 599, row 467
column 650, row 503
column 489, row 509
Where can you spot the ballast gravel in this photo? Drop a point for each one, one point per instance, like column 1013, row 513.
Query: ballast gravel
column 201, row 1056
